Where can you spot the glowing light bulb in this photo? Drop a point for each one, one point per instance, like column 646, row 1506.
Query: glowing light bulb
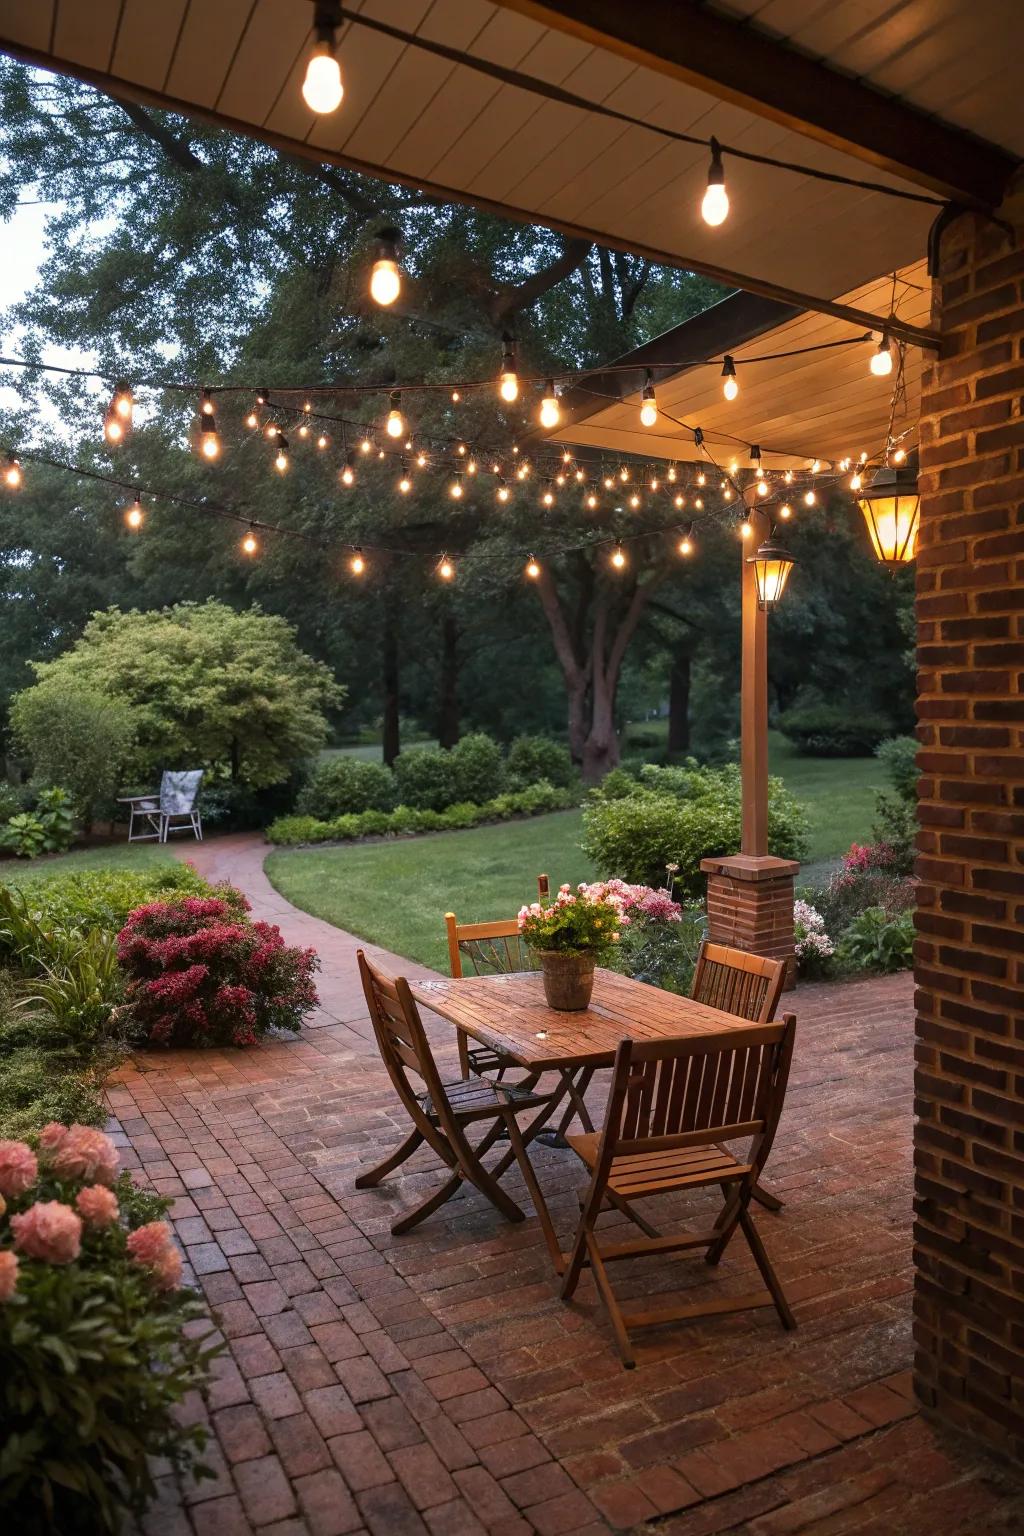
column 715, row 203
column 456, row 397
column 357, row 565
column 508, row 379
column 618, row 557
column 881, row 360
column 679, row 500
column 134, row 515
column 113, row 428
column 746, row 530
column 455, row 489
column 672, row 474
column 855, row 480
column 12, row 473
column 321, row 441
column 307, row 406
column 624, row 473
column 727, row 494
column 788, row 477
column 550, row 414
column 653, row 483
column 123, row 402
column 365, row 446
column 899, row 456
column 405, row 484
column 348, row 474
column 580, row 476
column 608, row 482
column 591, row 501
column 445, row 569
column 503, row 493
column 548, row 498
column 271, row 430
column 702, row 478
column 471, row 467
column 762, row 487
column 809, row 498
column 252, row 421
column 395, row 422
column 250, row 544
column 532, row 568
column 686, row 545
column 282, row 462
column 815, row 466
column 559, row 479
column 634, row 501
column 698, row 504
column 421, row 460
column 730, row 383
column 785, row 511
column 207, row 404
column 322, row 88
column 210, row 439
column 304, row 430
column 522, row 472
column 648, row 403
column 385, row 278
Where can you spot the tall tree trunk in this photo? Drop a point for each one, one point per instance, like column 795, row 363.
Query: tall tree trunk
column 679, row 704
column 391, row 743
column 601, row 748
column 448, row 709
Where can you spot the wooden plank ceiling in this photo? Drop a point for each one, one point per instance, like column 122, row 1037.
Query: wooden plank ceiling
column 412, row 116
column 824, row 404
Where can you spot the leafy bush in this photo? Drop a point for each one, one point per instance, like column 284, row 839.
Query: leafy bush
column 95, row 1355
column 877, row 941
column 102, row 898
column 426, row 779
column 201, row 973
column 679, row 816
column 477, row 769
column 895, row 825
column 47, row 829
column 833, row 730
column 408, row 820
column 531, row 758
column 12, row 800
column 346, row 785
column 898, row 756
column 75, row 735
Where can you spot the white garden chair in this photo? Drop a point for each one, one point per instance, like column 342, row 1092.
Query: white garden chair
column 173, row 809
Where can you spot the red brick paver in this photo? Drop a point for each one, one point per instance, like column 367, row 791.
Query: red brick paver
column 435, row 1383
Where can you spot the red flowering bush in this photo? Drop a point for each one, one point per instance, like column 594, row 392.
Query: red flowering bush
column 201, row 972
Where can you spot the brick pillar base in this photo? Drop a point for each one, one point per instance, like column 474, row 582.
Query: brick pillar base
column 750, row 906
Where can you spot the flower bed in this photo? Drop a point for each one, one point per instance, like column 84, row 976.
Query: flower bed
column 94, row 1359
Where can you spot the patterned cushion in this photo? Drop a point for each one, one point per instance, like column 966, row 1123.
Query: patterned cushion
column 178, row 791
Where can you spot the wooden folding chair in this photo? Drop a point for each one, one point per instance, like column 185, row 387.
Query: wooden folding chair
column 441, row 1111
column 672, row 1105
column 487, row 949
column 744, row 984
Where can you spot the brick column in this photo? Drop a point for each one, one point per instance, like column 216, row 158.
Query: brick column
column 750, row 905
column 969, row 957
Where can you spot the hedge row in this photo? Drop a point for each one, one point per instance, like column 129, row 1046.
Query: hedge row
column 407, row 820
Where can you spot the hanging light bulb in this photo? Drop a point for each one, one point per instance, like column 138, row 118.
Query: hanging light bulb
column 698, row 504
column 550, row 414
column 679, row 500
column 304, row 430
column 262, row 396
column 580, row 476
column 421, row 460
column 634, row 501
column 134, row 516
column 788, row 477
column 471, row 467
column 252, row 421
column 385, row 277
column 731, row 386
column 456, row 397
column 357, row 565
column 209, row 437
column 881, row 359
column 503, row 493
column 715, row 203
column 608, row 482
column 672, row 474
column 395, row 422
column 762, row 487
column 523, row 471
column 548, row 497
column 405, row 484
column 618, row 557
column 250, row 544
column 591, row 500
column 113, row 427
column 206, row 405
column 12, row 473
column 855, row 480
column 686, row 542
column 653, row 483
column 785, row 511
column 648, row 403
column 815, row 466
column 348, row 474
column 809, row 498
column 366, row 446
column 624, row 473
column 282, row 462
column 727, row 493
column 508, row 379
column 532, row 569
column 322, row 88
column 899, row 457
column 445, row 568
column 271, row 430
column 746, row 529
column 322, row 441
column 455, row 489
column 702, row 478
column 559, row 478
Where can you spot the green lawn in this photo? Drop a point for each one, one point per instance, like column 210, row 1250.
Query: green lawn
column 838, row 794
column 23, row 873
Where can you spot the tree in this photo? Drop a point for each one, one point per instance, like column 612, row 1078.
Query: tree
column 76, row 736
column 208, row 687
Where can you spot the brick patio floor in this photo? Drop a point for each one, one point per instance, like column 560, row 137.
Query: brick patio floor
column 436, row 1383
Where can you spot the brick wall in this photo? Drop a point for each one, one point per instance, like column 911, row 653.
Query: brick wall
column 969, row 1233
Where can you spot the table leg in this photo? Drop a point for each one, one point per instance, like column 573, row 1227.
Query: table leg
column 575, row 1086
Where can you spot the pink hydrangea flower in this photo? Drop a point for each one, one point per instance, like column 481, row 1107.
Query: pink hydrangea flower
column 86, row 1154
column 148, row 1245
column 18, row 1167
column 51, row 1136
column 167, row 1273
column 8, row 1274
column 97, row 1205
column 48, row 1230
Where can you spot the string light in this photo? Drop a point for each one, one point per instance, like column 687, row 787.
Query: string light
column 405, row 484
column 445, row 569
column 618, row 557
column 702, row 478
column 522, row 471
column 581, row 475
column 250, row 544
column 550, row 414
column 421, row 459
column 624, row 473
column 671, row 474
column 252, row 421
column 304, row 430
column 559, row 479
column 731, row 384
column 12, row 473
column 322, row 89
column 608, row 482
column 395, row 422
column 686, row 542
column 715, row 203
column 591, row 501
column 698, row 504
column 206, row 406
column 746, row 529
column 209, row 438
column 348, row 474
column 503, row 493
column 357, row 565
column 282, row 461
column 788, row 477
column 648, row 403
column 456, row 397
column 262, row 396
column 855, row 480
column 385, row 277
column 634, row 501
column 322, row 441
column 679, row 500
column 762, row 487
column 271, row 430
column 899, row 456
column 134, row 516
column 653, row 483
column 785, row 511
column 532, row 569
column 471, row 467
column 455, row 488
column 809, row 498
column 881, row 360
column 548, row 497
column 508, row 380
column 117, row 422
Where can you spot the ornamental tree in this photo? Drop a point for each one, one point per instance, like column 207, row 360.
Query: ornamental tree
column 207, row 687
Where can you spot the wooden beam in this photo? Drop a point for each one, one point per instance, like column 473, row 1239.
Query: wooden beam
column 737, row 62
column 129, row 90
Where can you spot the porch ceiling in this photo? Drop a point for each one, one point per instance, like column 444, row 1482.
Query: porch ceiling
column 914, row 93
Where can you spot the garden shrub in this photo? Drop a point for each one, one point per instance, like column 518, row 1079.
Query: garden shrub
column 98, row 1341
column 898, row 756
column 75, row 735
column 343, row 785
column 199, row 972
column 879, row 941
column 531, row 758
column 41, row 1077
column 103, row 898
column 408, row 820
column 477, row 769
column 690, row 814
column 46, row 829
column 895, row 825
column 833, row 730
column 425, row 778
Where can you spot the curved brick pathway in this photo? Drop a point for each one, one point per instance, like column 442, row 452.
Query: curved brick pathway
column 435, row 1383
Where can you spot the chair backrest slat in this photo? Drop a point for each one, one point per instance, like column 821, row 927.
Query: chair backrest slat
column 737, row 982
column 401, row 1039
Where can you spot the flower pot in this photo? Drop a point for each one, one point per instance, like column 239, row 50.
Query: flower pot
column 568, row 980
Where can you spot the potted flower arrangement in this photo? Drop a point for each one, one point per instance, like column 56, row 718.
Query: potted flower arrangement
column 569, row 936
